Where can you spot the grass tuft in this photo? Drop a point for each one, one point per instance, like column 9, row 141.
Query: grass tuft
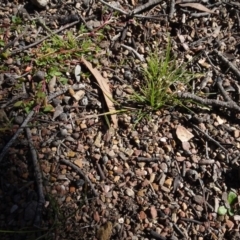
column 163, row 77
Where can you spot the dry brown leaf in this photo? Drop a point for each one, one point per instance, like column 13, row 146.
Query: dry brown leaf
column 105, row 88
column 197, row 6
column 78, row 162
column 153, row 212
column 183, row 134
column 203, row 63
column 79, row 95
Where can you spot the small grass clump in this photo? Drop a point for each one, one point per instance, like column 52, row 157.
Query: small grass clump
column 163, row 78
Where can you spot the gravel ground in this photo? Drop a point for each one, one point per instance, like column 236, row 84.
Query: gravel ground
column 68, row 170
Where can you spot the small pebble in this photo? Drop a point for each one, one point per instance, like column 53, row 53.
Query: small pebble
column 63, row 117
column 130, row 192
column 39, row 76
column 18, row 119
column 128, row 75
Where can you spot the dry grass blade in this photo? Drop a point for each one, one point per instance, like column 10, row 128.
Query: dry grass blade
column 105, row 89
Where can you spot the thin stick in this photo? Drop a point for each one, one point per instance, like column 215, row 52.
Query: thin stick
column 102, row 175
column 29, row 116
column 222, row 90
column 77, row 169
column 44, row 38
column 228, row 63
column 210, row 138
column 144, row 159
column 146, row 6
column 209, row 102
column 140, row 57
column 114, row 8
column 9, row 144
column 39, row 181
column 15, row 40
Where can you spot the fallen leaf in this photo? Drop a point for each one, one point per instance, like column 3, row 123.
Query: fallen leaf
column 203, row 63
column 79, row 95
column 78, row 162
column 105, row 89
column 220, row 120
column 153, row 212
column 183, row 134
column 197, row 6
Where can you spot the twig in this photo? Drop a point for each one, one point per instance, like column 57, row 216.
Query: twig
column 178, row 230
column 44, row 38
column 209, row 102
column 210, row 138
column 39, row 181
column 9, row 144
column 15, row 40
column 228, row 63
column 102, row 175
column 114, row 8
column 172, row 9
column 140, row 57
column 144, row 159
column 222, row 90
column 145, row 6
column 77, row 169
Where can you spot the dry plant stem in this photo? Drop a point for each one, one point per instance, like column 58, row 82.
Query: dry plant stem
column 210, row 102
column 114, row 8
column 9, row 144
column 15, row 40
column 44, row 38
column 39, row 181
column 146, row 6
column 210, row 138
column 228, row 63
column 77, row 169
column 141, row 58
column 172, row 9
